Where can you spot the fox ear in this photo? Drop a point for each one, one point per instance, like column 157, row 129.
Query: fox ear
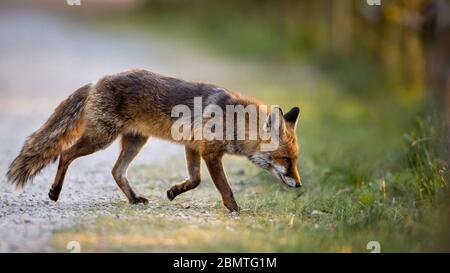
column 292, row 116
column 276, row 121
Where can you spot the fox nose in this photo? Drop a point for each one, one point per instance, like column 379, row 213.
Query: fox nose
column 298, row 184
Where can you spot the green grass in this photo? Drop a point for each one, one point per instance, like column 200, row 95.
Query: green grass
column 423, row 157
column 370, row 173
column 330, row 215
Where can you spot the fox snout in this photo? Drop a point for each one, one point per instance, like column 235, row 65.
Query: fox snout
column 289, row 181
column 288, row 175
column 292, row 180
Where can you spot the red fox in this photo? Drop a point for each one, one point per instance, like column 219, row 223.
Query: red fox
column 137, row 105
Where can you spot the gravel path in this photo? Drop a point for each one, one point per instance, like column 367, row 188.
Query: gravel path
column 43, row 58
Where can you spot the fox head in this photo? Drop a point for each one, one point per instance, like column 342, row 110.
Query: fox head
column 281, row 161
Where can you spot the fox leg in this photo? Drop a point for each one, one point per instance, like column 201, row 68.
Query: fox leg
column 215, row 168
column 193, row 160
column 131, row 146
column 86, row 145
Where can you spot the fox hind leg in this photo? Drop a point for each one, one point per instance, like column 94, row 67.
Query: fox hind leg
column 131, row 146
column 88, row 143
column 193, row 159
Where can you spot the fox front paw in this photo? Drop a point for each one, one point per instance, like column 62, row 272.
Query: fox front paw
column 139, row 200
column 234, row 214
column 53, row 194
column 231, row 205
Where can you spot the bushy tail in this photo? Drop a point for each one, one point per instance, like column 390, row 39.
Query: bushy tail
column 44, row 146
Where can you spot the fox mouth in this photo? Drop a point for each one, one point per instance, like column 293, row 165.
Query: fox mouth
column 286, row 181
column 263, row 162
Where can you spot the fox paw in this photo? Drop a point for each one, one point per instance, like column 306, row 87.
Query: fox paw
column 234, row 214
column 139, row 200
column 53, row 195
column 171, row 194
